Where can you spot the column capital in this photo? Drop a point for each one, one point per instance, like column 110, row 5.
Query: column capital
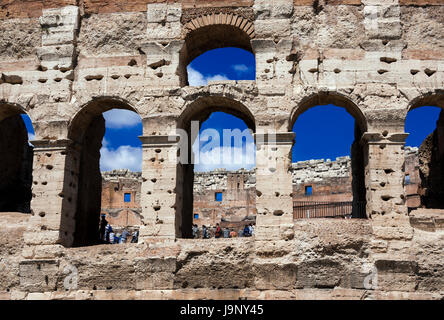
column 161, row 141
column 274, row 138
column 51, row 145
column 376, row 138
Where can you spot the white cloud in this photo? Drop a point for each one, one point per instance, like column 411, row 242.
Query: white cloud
column 240, row 68
column 195, row 78
column 120, row 118
column 124, row 157
column 229, row 158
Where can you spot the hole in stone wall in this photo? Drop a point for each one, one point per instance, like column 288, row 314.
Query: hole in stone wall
column 94, row 77
column 429, row 72
column 388, row 60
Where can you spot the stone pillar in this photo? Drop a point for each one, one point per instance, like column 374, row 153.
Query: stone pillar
column 163, row 44
column 384, row 172
column 158, row 196
column 392, row 233
column 54, row 193
column 57, row 53
column 274, row 201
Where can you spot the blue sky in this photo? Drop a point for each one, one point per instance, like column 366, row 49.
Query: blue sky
column 322, row 132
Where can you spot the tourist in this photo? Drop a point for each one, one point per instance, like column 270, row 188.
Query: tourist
column 195, row 231
column 111, row 236
column 247, row 231
column 226, row 233
column 240, row 233
column 125, row 235
column 102, row 229
column 251, row 229
column 116, row 238
column 218, row 232
column 108, row 230
column 233, row 234
column 205, row 232
column 135, row 238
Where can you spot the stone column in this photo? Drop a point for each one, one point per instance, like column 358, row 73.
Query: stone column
column 54, row 193
column 158, row 196
column 274, row 201
column 390, row 247
column 384, row 172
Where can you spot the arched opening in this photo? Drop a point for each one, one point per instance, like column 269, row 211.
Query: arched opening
column 16, row 159
column 232, row 64
column 215, row 177
column 328, row 159
column 107, row 155
column 424, row 162
column 215, row 35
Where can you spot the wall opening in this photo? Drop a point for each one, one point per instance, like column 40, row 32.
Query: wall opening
column 207, row 43
column 328, row 162
column 424, row 157
column 109, row 158
column 16, row 162
column 222, row 155
column 221, row 65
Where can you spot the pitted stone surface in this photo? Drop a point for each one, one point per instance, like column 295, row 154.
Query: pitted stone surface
column 65, row 62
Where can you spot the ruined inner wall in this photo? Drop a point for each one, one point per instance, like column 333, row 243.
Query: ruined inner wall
column 65, row 62
column 431, row 167
column 236, row 205
column 115, row 184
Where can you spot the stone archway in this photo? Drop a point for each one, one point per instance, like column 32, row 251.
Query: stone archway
column 16, row 161
column 359, row 159
column 430, row 157
column 213, row 31
column 199, row 110
column 83, row 179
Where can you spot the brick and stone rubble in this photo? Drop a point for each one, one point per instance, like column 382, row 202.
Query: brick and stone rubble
column 65, row 62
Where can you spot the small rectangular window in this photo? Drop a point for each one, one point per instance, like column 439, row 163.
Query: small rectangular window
column 218, row 196
column 196, row 216
column 308, row 190
column 127, row 197
column 407, row 179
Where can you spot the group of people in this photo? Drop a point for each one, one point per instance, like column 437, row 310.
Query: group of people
column 107, row 234
column 219, row 232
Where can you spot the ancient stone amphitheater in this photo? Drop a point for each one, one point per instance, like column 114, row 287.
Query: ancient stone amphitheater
column 65, row 62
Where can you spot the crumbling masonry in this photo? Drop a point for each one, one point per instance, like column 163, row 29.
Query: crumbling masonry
column 65, row 62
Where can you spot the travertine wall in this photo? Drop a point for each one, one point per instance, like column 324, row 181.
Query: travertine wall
column 65, row 62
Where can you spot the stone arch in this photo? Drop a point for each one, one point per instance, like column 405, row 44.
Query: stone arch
column 325, row 98
column 82, row 119
column 83, row 180
column 426, row 171
column 199, row 110
column 10, row 109
column 16, row 160
column 213, row 31
column 359, row 155
column 434, row 98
